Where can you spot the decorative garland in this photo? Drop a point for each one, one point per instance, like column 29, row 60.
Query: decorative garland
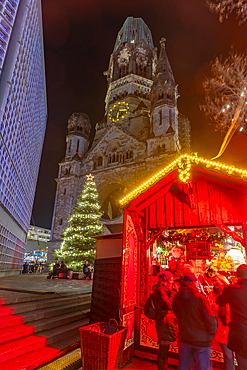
column 193, row 236
column 183, row 164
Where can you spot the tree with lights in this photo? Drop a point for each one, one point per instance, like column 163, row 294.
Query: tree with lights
column 226, row 96
column 226, row 7
column 77, row 244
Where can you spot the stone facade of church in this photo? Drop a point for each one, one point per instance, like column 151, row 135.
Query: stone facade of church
column 141, row 131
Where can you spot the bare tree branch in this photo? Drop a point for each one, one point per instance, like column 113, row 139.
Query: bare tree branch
column 226, row 95
column 226, row 7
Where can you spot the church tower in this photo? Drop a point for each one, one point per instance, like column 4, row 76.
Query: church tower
column 164, row 111
column 129, row 79
column 78, row 135
column 77, row 142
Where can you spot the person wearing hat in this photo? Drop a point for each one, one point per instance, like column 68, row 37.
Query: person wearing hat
column 207, row 279
column 236, row 296
column 166, row 322
column 197, row 324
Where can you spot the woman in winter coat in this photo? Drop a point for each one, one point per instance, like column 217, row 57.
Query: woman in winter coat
column 223, row 317
column 166, row 321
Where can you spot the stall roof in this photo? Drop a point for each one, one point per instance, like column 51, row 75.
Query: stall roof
column 183, row 167
column 108, row 236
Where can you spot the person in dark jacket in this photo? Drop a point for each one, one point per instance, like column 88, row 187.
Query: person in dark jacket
column 54, row 273
column 197, row 324
column 166, row 322
column 63, row 269
column 87, row 270
column 236, row 296
column 223, row 317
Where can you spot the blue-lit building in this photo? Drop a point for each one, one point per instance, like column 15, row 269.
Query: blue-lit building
column 23, row 116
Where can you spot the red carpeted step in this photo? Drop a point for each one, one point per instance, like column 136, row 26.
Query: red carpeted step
column 16, row 332
column 12, row 320
column 2, row 301
column 20, row 347
column 31, row 359
column 5, row 311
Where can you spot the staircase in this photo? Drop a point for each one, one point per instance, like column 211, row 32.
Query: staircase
column 36, row 328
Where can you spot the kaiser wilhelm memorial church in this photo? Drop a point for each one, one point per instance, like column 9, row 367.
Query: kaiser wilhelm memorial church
column 141, row 130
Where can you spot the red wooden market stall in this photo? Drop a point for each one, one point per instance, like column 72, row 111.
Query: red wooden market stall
column 182, row 213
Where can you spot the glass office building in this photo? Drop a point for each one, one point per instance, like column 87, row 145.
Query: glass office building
column 23, row 116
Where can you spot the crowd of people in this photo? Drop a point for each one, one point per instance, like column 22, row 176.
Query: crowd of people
column 58, row 269
column 32, row 267
column 194, row 310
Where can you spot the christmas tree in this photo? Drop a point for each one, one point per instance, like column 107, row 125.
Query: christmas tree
column 77, row 244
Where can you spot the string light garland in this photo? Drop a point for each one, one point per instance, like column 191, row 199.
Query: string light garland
column 183, row 164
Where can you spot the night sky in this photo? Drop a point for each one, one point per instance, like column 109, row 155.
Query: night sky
column 79, row 36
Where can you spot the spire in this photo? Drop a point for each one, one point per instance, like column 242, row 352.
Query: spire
column 163, row 70
column 164, row 89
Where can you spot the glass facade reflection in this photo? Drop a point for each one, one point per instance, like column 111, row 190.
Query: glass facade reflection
column 23, row 115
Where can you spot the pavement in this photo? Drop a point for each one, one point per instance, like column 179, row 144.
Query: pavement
column 29, row 284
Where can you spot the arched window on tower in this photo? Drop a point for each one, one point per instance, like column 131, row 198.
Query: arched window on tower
column 170, row 117
column 129, row 155
column 100, row 161
column 78, row 143
column 170, row 94
column 69, row 146
column 160, row 116
column 160, row 95
column 139, row 69
column 123, row 69
column 144, row 71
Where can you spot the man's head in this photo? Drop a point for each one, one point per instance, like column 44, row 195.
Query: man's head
column 242, row 271
column 86, row 262
column 187, row 268
column 166, row 278
column 189, row 277
column 219, row 283
column 211, row 272
column 62, row 263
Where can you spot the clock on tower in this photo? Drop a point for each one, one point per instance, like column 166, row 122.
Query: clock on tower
column 118, row 111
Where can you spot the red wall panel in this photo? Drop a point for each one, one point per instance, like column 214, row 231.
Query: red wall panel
column 169, row 208
column 203, row 202
column 161, row 215
column 214, row 203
